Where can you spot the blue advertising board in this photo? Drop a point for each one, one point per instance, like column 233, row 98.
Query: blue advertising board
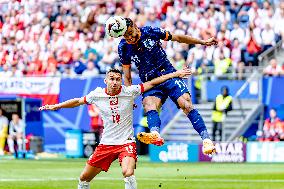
column 174, row 152
column 74, row 143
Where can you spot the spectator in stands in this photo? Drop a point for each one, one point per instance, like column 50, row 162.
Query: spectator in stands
column 3, row 131
column 253, row 46
column 16, row 132
column 68, row 72
column 195, row 56
column 222, row 66
column 152, row 19
column 281, row 131
column 179, row 62
column 222, row 105
column 279, row 20
column 271, row 127
column 96, row 121
column 108, row 59
column 236, row 53
column 91, row 70
column 52, row 33
column 268, row 37
column 240, row 70
column 237, row 33
column 273, row 69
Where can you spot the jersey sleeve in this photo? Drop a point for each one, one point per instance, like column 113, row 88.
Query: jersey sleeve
column 159, row 33
column 91, row 97
column 123, row 54
column 135, row 90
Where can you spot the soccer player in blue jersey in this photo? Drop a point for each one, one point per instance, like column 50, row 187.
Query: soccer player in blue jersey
column 142, row 47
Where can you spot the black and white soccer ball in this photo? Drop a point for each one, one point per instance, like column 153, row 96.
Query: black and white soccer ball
column 115, row 26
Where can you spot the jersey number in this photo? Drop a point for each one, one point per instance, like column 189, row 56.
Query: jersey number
column 129, row 149
column 180, row 84
column 116, row 118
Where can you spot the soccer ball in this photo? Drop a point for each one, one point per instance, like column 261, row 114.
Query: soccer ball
column 116, row 26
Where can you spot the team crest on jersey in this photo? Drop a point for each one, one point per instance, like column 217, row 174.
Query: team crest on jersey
column 149, row 44
column 135, row 59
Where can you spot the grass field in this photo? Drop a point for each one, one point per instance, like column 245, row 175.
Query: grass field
column 57, row 174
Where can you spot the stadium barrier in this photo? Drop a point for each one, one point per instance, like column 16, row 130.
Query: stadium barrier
column 55, row 123
column 236, row 152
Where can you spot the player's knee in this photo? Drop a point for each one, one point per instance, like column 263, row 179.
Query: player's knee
column 186, row 106
column 149, row 106
column 127, row 172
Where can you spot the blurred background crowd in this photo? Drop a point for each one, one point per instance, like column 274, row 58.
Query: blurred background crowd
column 67, row 38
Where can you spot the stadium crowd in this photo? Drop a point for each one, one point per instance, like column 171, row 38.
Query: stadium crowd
column 67, row 38
column 273, row 128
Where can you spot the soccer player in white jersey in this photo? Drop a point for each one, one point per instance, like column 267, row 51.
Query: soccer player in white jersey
column 116, row 106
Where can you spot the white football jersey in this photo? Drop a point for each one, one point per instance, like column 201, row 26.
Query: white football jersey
column 117, row 113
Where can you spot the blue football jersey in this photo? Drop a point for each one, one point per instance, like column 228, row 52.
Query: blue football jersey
column 147, row 54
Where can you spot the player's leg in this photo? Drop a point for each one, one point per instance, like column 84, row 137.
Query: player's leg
column 152, row 102
column 19, row 138
column 99, row 161
column 10, row 142
column 127, row 158
column 215, row 125
column 179, row 94
column 151, row 106
column 87, row 175
column 128, row 166
column 3, row 136
column 220, row 128
column 193, row 115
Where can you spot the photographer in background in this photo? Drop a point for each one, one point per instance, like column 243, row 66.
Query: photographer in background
column 16, row 132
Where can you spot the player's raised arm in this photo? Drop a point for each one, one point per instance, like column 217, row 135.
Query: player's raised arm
column 66, row 104
column 190, row 40
column 180, row 73
column 127, row 75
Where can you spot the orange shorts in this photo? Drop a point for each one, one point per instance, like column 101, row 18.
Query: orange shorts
column 104, row 155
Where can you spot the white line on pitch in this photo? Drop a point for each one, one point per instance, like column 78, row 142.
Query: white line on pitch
column 149, row 179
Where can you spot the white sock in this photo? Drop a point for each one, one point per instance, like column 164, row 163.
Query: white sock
column 130, row 182
column 11, row 145
column 83, row 185
column 20, row 144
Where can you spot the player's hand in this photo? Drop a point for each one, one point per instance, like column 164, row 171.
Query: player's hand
column 49, row 107
column 211, row 41
column 184, row 73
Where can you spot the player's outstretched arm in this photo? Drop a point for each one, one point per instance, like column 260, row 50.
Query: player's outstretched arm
column 180, row 73
column 66, row 104
column 190, row 40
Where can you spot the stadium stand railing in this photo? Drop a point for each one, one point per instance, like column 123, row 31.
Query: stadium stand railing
column 270, row 53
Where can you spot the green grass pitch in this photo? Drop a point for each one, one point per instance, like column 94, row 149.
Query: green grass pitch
column 57, row 174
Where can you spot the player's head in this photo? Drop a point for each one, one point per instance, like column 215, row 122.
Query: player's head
column 225, row 90
column 15, row 117
column 113, row 80
column 272, row 113
column 117, row 26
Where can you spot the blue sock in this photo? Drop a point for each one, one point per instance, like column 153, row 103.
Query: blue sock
column 154, row 121
column 198, row 123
